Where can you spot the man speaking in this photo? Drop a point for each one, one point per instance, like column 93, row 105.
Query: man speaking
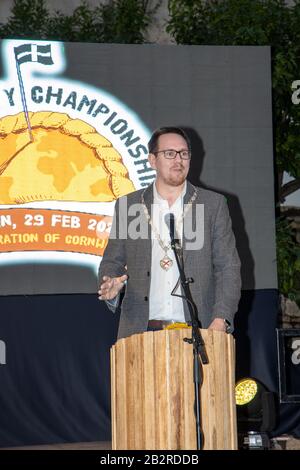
column 139, row 268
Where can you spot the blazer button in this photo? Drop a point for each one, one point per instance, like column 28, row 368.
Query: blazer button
column 148, row 273
column 146, row 298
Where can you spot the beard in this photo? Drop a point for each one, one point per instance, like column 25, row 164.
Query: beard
column 176, row 181
column 176, row 178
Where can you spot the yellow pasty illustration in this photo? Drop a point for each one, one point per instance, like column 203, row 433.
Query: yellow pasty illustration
column 68, row 160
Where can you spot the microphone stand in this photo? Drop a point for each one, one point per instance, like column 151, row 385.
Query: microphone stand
column 196, row 340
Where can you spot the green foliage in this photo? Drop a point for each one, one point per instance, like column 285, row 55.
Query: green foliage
column 28, row 19
column 228, row 22
column 116, row 21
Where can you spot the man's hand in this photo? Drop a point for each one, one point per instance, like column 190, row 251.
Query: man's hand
column 111, row 286
column 217, row 324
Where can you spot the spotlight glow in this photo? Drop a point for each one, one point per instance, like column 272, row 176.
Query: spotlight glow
column 245, row 391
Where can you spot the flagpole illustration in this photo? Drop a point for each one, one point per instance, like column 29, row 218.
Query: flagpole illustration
column 23, row 98
column 30, row 53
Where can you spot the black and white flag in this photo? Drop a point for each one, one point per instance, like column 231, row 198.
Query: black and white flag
column 33, row 53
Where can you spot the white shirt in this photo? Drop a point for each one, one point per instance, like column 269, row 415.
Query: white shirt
column 162, row 305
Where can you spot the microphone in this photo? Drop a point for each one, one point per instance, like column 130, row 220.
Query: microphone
column 169, row 219
column 175, row 242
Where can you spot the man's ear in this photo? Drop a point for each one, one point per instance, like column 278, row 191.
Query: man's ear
column 152, row 160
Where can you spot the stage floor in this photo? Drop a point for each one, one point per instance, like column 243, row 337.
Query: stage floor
column 281, row 443
column 100, row 445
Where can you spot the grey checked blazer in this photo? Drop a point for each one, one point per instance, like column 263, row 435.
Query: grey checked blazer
column 215, row 267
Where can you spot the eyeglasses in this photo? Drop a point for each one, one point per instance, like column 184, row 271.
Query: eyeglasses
column 171, row 154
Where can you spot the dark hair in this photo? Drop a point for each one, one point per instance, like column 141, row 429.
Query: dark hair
column 152, row 144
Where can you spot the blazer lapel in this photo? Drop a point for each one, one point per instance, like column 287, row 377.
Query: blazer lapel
column 146, row 244
column 189, row 193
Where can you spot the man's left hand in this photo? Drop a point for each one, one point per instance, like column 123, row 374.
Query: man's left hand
column 217, row 324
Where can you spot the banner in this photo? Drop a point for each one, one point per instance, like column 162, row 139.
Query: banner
column 75, row 120
column 67, row 151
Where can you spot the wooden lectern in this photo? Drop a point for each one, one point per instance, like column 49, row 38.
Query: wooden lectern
column 153, row 392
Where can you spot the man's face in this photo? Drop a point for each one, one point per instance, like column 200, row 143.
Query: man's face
column 172, row 172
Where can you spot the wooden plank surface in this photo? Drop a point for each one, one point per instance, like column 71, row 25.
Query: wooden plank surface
column 153, row 392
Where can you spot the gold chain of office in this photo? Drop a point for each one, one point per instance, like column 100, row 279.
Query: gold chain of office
column 166, row 262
